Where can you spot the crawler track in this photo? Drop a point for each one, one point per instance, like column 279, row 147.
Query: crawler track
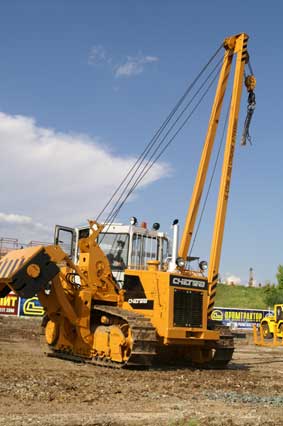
column 143, row 335
column 145, row 351
column 224, row 348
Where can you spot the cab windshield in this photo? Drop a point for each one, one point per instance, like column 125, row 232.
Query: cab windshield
column 116, row 247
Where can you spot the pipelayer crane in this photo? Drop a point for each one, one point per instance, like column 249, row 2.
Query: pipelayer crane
column 163, row 309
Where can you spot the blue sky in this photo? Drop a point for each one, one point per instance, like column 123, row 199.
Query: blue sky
column 84, row 84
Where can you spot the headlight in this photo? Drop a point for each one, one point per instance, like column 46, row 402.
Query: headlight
column 133, row 220
column 203, row 265
column 180, row 262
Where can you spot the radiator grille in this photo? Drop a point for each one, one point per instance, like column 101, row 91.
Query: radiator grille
column 188, row 308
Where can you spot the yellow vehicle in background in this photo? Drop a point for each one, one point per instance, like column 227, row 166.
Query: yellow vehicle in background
column 273, row 325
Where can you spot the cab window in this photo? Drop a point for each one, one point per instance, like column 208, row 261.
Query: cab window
column 115, row 246
column 144, row 249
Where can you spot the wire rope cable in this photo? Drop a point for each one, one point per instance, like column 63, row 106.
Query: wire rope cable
column 152, row 160
column 158, row 133
column 155, row 152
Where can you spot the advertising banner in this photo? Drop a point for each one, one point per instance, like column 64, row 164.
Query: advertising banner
column 239, row 318
column 31, row 307
column 9, row 305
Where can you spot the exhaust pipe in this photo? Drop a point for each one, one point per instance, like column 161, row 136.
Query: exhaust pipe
column 175, row 245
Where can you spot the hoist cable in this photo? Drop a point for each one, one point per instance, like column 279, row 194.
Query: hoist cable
column 144, row 172
column 157, row 134
column 250, row 67
column 109, row 218
column 211, row 180
column 150, row 164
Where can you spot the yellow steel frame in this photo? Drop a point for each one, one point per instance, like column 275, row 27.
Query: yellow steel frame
column 234, row 46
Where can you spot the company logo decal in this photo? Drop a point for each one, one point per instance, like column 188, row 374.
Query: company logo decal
column 187, row 282
column 217, row 315
column 141, row 303
column 31, row 307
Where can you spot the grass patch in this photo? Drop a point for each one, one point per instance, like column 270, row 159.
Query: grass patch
column 240, row 297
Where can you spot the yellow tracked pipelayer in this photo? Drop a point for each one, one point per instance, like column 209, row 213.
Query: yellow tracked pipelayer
column 162, row 312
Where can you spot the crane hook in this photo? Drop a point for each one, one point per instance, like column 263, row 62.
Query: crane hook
column 250, row 83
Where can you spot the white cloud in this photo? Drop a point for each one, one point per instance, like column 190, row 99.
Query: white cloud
column 131, row 66
column 49, row 177
column 15, row 218
column 23, row 228
column 98, row 55
column 233, row 279
column 134, row 65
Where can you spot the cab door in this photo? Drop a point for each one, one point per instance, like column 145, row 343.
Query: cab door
column 66, row 238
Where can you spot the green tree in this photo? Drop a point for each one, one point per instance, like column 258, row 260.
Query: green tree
column 274, row 294
column 279, row 276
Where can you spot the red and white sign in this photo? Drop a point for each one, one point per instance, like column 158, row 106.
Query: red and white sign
column 9, row 304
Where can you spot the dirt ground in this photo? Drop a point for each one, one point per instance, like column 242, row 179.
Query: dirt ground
column 39, row 390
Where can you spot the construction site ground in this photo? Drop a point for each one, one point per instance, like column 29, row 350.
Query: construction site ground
column 40, row 390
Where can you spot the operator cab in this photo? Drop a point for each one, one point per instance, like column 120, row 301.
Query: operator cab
column 279, row 313
column 126, row 246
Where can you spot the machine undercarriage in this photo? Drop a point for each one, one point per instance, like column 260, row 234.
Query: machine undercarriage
column 130, row 340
